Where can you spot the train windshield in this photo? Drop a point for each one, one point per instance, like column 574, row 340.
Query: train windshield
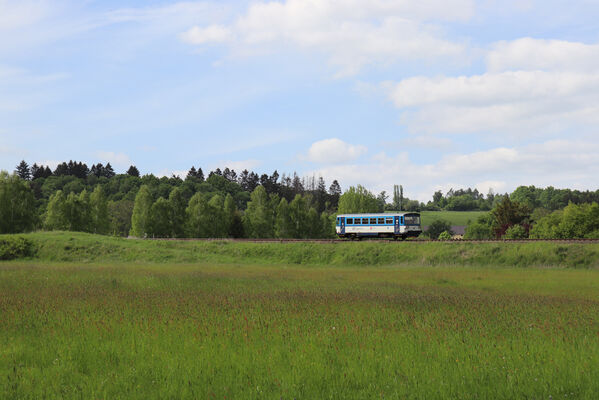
column 412, row 219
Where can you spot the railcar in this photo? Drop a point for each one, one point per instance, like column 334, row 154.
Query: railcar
column 387, row 225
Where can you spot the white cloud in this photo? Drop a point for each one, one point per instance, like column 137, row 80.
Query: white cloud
column 334, row 151
column 352, row 33
column 495, row 186
column 547, row 55
column 116, row 159
column 240, row 165
column 532, row 87
column 210, row 34
column 560, row 163
column 510, row 102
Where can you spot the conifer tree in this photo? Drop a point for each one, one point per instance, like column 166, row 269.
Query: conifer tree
column 23, row 171
column 133, row 171
column 108, row 171
column 141, row 212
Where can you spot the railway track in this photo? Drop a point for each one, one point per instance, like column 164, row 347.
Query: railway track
column 333, row 241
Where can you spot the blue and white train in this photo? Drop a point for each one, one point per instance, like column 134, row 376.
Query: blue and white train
column 388, row 225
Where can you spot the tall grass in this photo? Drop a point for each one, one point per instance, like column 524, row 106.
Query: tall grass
column 247, row 331
column 85, row 248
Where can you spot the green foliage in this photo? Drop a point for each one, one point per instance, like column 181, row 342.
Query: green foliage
column 120, row 217
column 515, row 232
column 159, row 224
column 445, row 235
column 17, row 204
column 229, row 215
column 207, row 218
column 177, row 206
column 508, row 213
column 461, row 203
column 55, row 214
column 283, row 224
column 482, row 229
column 140, row 219
column 574, row 221
column 14, row 247
column 437, row 227
column 258, row 219
column 100, row 220
column 358, row 200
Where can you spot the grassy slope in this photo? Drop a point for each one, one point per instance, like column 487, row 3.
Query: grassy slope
column 454, row 217
column 86, row 248
column 230, row 331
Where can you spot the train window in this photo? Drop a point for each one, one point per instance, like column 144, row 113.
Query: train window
column 372, row 221
column 357, row 221
column 389, row 220
column 381, row 221
column 365, row 221
column 413, row 220
column 349, row 221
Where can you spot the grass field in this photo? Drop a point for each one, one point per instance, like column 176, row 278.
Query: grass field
column 234, row 323
column 453, row 217
column 229, row 331
column 86, row 248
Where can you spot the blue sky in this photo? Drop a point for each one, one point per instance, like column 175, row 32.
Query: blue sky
column 430, row 94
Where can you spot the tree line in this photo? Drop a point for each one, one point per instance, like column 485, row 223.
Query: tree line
column 225, row 203
column 96, row 199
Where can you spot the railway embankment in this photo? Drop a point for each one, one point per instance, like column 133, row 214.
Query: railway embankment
column 88, row 248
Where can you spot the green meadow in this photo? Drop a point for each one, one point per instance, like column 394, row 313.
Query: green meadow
column 94, row 317
column 461, row 218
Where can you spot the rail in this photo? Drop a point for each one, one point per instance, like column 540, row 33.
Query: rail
column 384, row 240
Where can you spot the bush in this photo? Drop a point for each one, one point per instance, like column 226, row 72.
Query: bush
column 437, row 227
column 15, row 247
column 515, row 232
column 445, row 235
column 478, row 231
column 573, row 222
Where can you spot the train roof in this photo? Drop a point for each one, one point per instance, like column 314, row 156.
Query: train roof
column 389, row 214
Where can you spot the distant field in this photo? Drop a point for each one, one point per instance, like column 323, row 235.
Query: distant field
column 291, row 332
column 454, row 217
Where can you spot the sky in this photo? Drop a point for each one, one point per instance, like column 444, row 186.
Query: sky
column 429, row 94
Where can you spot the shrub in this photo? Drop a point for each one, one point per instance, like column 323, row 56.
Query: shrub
column 15, row 247
column 515, row 232
column 437, row 227
column 445, row 235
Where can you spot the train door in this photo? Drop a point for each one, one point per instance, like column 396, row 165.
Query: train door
column 342, row 225
column 396, row 225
